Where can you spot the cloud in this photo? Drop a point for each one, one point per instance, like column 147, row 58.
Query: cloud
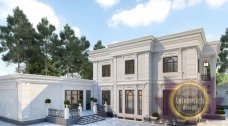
column 77, row 31
column 107, row 3
column 216, row 3
column 153, row 11
column 33, row 9
column 180, row 4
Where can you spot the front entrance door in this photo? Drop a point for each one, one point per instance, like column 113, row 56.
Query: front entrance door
column 88, row 96
column 166, row 103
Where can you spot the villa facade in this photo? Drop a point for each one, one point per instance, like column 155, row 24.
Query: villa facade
column 138, row 75
column 23, row 95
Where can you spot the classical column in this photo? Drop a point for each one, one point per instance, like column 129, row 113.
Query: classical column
column 136, row 100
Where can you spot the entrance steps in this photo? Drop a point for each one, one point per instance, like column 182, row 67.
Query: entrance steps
column 89, row 119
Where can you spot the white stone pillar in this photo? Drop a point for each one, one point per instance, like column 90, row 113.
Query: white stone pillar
column 84, row 99
column 136, row 101
column 123, row 101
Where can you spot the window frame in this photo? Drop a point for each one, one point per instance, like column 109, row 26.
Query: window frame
column 174, row 64
column 104, row 71
column 128, row 67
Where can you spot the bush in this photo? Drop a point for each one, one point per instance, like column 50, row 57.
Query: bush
column 47, row 101
column 220, row 108
column 220, row 112
column 66, row 102
column 105, row 99
column 94, row 100
column 80, row 101
column 91, row 99
column 155, row 114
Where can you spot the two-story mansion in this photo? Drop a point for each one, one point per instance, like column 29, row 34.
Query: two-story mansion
column 137, row 76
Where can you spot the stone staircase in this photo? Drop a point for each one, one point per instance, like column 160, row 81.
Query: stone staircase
column 89, row 119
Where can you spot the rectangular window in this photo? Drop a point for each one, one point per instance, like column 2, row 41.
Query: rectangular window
column 129, row 67
column 170, row 64
column 139, row 102
column 106, row 70
column 120, row 100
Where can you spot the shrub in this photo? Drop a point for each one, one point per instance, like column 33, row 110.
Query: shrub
column 105, row 99
column 94, row 100
column 91, row 99
column 155, row 114
column 80, row 101
column 66, row 102
column 220, row 108
column 220, row 112
column 47, row 101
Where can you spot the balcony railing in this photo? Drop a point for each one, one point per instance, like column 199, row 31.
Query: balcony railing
column 205, row 77
column 74, row 113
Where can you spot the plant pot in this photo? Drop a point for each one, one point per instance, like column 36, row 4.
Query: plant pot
column 95, row 108
column 106, row 106
column 80, row 109
column 47, row 107
column 154, row 118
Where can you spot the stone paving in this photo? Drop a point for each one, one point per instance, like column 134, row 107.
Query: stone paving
column 121, row 122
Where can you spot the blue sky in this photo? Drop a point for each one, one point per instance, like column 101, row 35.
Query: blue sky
column 117, row 20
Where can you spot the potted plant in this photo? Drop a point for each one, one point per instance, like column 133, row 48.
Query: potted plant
column 47, row 102
column 66, row 110
column 66, row 103
column 105, row 100
column 94, row 100
column 80, row 101
column 91, row 99
column 94, row 106
column 105, row 104
column 155, row 116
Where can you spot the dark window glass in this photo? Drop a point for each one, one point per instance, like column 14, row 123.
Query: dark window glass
column 139, row 102
column 106, row 94
column 129, row 67
column 170, row 64
column 120, row 100
column 106, row 71
column 129, row 101
column 198, row 65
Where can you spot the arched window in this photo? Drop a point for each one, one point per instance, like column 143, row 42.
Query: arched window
column 170, row 64
column 129, row 102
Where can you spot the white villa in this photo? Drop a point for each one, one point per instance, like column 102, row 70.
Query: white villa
column 138, row 75
column 135, row 76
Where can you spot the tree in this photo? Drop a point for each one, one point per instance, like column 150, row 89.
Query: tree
column 223, row 59
column 46, row 34
column 16, row 38
column 98, row 45
column 69, row 52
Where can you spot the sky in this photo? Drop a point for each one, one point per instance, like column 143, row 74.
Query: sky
column 118, row 20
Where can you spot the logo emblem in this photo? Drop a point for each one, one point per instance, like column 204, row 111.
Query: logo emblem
column 189, row 100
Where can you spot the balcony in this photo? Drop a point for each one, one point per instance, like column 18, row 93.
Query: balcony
column 205, row 77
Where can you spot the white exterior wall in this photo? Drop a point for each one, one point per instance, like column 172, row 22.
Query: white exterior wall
column 28, row 93
column 8, row 99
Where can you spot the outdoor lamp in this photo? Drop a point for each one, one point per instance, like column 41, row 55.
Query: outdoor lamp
column 205, row 63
